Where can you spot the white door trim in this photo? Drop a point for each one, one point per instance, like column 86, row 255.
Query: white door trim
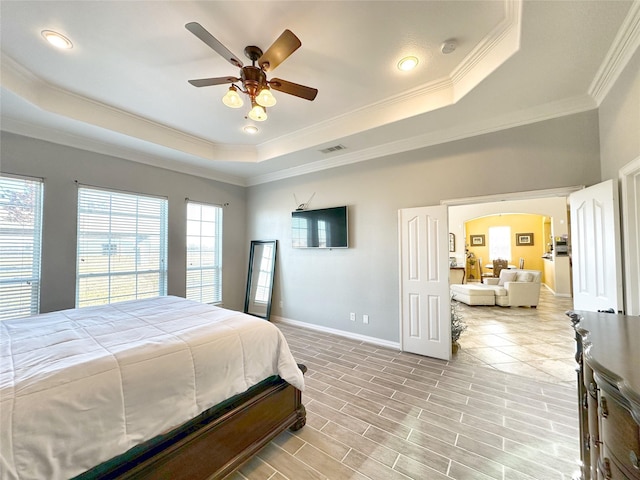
column 629, row 176
column 501, row 197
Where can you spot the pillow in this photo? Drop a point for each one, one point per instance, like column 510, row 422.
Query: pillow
column 524, row 277
column 507, row 276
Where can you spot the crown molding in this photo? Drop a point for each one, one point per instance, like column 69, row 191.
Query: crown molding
column 52, row 99
column 60, row 137
column 524, row 117
column 625, row 44
column 496, row 48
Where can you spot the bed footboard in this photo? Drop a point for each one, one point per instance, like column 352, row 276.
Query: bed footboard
column 213, row 445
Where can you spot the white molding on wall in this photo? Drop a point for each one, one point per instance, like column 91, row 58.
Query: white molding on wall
column 536, row 114
column 502, row 197
column 333, row 331
column 67, row 139
column 625, row 44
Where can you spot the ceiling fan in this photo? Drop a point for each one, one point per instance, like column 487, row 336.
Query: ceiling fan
column 253, row 78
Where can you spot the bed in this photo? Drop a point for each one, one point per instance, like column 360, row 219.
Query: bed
column 156, row 388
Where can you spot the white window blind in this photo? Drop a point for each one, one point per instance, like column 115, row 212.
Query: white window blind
column 204, row 252
column 122, row 247
column 500, row 243
column 20, row 246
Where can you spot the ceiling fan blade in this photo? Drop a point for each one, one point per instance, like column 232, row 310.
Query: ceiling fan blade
column 285, row 45
column 291, row 88
column 200, row 32
column 206, row 82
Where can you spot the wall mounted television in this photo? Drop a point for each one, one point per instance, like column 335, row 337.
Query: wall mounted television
column 321, row 228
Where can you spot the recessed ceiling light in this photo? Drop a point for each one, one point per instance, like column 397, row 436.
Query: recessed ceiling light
column 57, row 39
column 250, row 129
column 408, row 63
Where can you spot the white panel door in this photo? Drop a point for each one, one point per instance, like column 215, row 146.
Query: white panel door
column 595, row 246
column 425, row 317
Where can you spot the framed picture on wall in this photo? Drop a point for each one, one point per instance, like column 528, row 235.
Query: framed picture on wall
column 476, row 240
column 452, row 242
column 524, row 239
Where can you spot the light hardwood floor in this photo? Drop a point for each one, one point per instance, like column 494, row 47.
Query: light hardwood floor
column 376, row 413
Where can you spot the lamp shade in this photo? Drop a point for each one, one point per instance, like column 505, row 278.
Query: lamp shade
column 265, row 98
column 258, row 114
column 232, row 98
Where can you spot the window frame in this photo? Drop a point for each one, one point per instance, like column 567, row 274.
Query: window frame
column 13, row 304
column 214, row 225
column 122, row 238
column 500, row 235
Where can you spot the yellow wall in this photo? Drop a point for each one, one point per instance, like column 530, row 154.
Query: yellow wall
column 519, row 223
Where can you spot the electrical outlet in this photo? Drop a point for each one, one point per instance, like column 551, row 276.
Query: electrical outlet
column 365, row 319
column 352, row 317
column 281, row 303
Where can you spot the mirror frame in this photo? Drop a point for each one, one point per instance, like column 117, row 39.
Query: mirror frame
column 252, row 259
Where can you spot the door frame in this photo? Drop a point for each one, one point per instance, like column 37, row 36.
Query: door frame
column 629, row 178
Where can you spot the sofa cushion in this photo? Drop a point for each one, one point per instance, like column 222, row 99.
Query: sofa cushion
column 524, row 277
column 507, row 276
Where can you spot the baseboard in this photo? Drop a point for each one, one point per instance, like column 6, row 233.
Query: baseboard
column 334, row 331
column 565, row 295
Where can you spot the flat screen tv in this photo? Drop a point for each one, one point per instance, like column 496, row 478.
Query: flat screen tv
column 321, row 228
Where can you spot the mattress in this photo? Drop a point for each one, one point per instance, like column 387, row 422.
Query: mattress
column 80, row 386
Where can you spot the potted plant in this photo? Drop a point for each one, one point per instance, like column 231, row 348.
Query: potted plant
column 457, row 325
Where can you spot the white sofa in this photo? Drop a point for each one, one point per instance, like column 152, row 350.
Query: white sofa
column 514, row 288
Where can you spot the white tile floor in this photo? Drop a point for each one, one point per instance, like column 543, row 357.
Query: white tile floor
column 534, row 342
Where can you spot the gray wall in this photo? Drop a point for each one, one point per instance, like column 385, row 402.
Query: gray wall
column 322, row 287
column 60, row 166
column 620, row 121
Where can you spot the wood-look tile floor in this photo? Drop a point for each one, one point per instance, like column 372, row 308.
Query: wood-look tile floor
column 376, row 413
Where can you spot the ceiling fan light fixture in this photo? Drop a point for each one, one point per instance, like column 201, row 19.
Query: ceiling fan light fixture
column 57, row 39
column 265, row 98
column 232, row 98
column 408, row 63
column 258, row 113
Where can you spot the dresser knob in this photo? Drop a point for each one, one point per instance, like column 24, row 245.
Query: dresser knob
column 604, row 411
column 634, row 460
column 605, row 468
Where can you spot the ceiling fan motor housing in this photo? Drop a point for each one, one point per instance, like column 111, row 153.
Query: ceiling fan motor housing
column 253, row 79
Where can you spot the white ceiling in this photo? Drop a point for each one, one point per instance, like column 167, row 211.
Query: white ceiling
column 122, row 90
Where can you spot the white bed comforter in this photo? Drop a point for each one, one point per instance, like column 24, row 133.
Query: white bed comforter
column 78, row 387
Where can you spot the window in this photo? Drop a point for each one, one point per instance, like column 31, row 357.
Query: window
column 204, row 253
column 20, row 240
column 500, row 243
column 122, row 247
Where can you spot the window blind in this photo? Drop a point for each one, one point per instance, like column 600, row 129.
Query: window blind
column 122, row 247
column 20, row 246
column 204, row 252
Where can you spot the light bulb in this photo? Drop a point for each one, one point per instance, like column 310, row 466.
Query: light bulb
column 258, row 114
column 266, row 98
column 232, row 99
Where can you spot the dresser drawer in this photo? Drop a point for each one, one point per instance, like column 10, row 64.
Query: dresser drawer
column 620, row 435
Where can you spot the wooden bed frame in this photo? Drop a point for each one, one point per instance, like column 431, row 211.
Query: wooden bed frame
column 216, row 442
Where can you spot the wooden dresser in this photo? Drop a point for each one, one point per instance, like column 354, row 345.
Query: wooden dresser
column 608, row 355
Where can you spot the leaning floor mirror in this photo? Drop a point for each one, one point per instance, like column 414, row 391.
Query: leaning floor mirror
column 262, row 263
